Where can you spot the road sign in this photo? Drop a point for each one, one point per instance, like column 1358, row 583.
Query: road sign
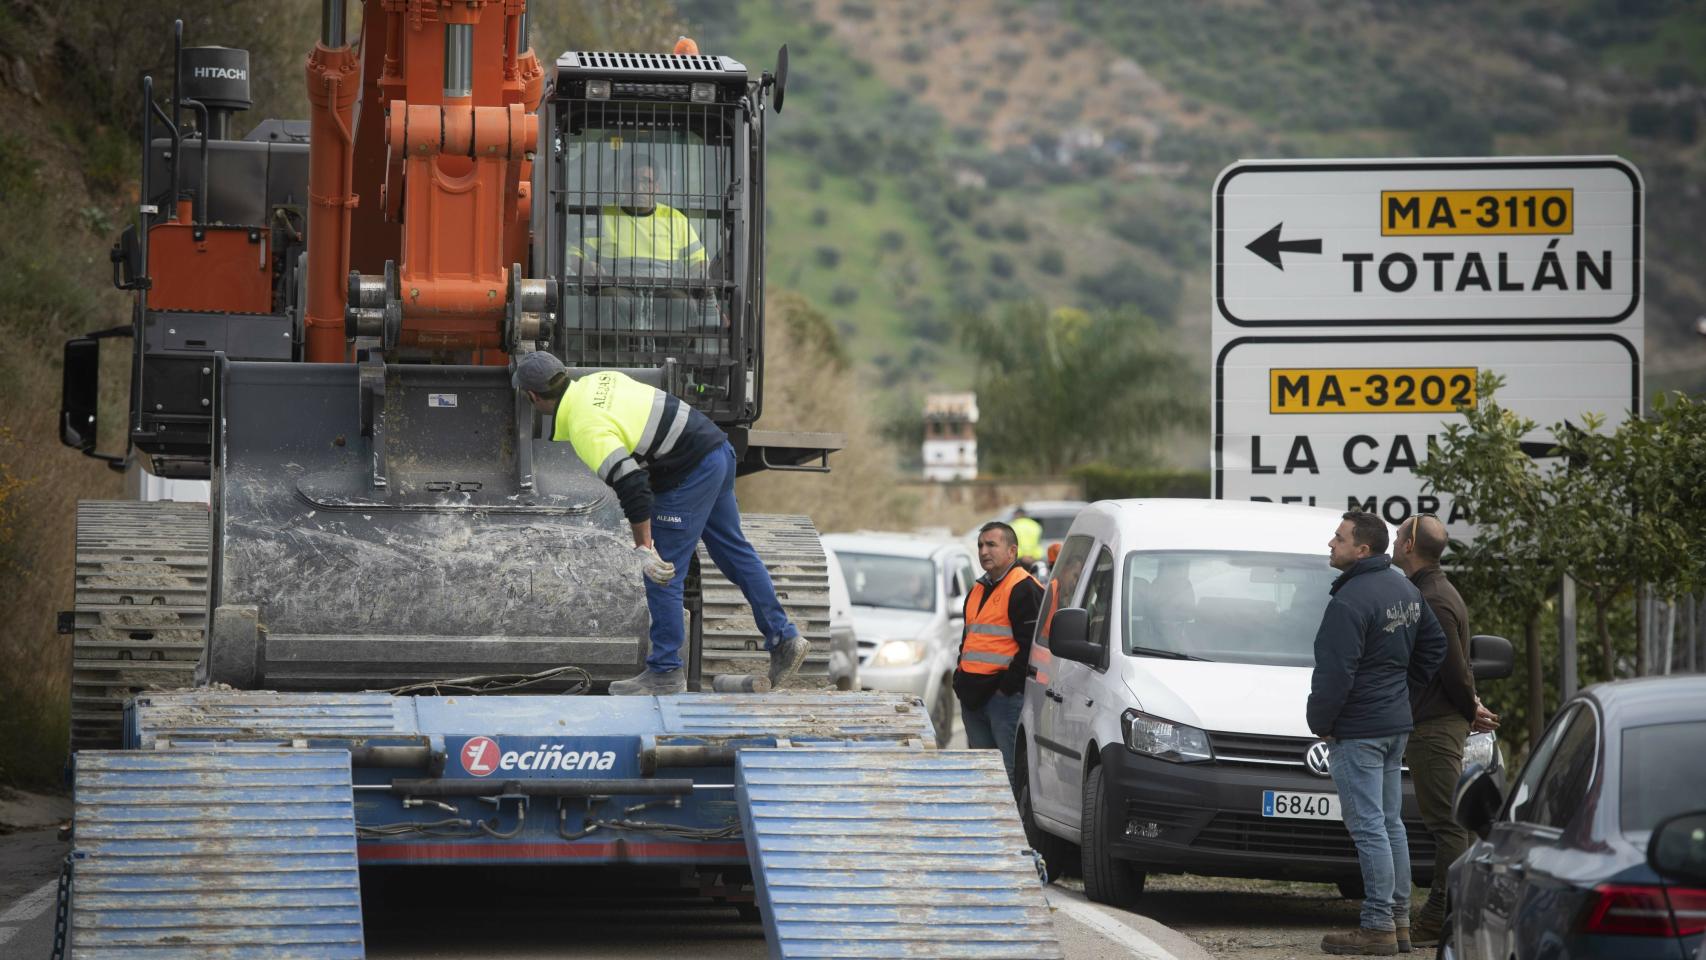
column 1427, row 242
column 1341, row 422
column 1357, row 303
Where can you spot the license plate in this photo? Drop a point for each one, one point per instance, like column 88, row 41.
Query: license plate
column 1301, row 806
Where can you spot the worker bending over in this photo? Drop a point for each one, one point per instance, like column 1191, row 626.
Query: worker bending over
column 674, row 474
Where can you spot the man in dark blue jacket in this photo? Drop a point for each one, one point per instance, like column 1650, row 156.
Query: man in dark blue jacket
column 1377, row 648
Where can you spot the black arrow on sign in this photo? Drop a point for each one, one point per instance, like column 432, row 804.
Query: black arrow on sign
column 1269, row 246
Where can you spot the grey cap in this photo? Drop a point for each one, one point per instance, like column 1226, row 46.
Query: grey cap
column 534, row 371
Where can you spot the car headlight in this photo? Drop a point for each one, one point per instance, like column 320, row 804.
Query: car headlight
column 898, row 653
column 1164, row 739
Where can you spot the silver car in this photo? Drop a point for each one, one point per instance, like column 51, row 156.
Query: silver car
column 908, row 597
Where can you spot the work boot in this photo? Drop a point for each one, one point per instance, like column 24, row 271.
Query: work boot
column 650, row 684
column 1403, row 934
column 1427, row 930
column 1361, row 942
column 785, row 660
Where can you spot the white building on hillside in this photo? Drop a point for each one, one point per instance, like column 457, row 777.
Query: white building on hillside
column 950, row 436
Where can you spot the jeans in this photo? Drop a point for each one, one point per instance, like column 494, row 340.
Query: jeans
column 994, row 726
column 703, row 506
column 1371, row 795
column 1435, row 756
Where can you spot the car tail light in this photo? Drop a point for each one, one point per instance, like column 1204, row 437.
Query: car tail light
column 1647, row 911
column 1688, row 904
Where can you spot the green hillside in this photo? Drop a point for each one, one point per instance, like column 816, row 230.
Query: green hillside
column 948, row 157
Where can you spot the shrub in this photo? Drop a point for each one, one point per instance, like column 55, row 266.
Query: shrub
column 1051, row 262
column 1131, row 285
column 827, row 257
column 1106, row 481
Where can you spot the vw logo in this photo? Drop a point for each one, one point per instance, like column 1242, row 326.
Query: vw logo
column 1316, row 758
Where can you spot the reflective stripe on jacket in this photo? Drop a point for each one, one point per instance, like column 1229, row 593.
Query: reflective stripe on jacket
column 620, row 426
column 989, row 645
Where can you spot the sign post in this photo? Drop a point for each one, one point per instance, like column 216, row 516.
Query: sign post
column 1356, row 303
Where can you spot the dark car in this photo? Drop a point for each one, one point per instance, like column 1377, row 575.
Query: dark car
column 1561, row 870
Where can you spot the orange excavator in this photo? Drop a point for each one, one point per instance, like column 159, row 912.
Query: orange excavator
column 322, row 312
column 365, row 648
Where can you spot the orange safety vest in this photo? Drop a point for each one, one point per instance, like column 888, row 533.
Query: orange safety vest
column 989, row 645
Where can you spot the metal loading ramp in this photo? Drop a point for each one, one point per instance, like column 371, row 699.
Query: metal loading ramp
column 890, row 853
column 228, row 852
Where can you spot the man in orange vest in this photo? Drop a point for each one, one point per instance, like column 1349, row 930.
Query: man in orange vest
column 1001, row 615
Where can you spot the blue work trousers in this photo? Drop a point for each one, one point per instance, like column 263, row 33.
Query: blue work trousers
column 1368, row 773
column 995, row 725
column 703, row 506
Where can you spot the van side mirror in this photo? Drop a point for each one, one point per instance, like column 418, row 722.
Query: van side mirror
column 1677, row 848
column 1476, row 802
column 1068, row 634
column 1490, row 658
column 79, row 398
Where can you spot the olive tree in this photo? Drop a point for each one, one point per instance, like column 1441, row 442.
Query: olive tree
column 1514, row 501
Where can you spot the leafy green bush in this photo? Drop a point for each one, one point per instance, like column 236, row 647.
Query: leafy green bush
column 1107, row 481
column 1132, row 286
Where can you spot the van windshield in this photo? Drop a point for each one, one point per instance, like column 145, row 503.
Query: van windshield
column 1228, row 606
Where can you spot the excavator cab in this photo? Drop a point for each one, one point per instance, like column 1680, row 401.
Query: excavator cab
column 656, row 220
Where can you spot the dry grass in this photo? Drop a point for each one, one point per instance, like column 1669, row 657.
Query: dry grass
column 54, row 286
column 808, row 385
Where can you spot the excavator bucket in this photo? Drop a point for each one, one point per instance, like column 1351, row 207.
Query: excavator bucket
column 377, row 525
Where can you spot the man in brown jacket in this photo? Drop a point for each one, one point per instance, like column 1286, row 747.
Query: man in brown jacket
column 1445, row 712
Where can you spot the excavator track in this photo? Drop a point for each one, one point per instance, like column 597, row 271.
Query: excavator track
column 793, row 553
column 140, row 610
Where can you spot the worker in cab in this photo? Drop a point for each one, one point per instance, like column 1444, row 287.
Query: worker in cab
column 638, row 237
column 1030, row 534
column 640, row 257
column 673, row 471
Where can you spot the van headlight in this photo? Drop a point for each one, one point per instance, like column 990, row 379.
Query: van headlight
column 1164, row 739
column 898, row 653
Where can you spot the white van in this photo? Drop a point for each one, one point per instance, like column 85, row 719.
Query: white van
column 1163, row 729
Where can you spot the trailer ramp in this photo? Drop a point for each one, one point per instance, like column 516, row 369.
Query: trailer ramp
column 882, row 852
column 226, row 852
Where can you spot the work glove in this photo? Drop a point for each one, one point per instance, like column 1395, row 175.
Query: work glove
column 656, row 568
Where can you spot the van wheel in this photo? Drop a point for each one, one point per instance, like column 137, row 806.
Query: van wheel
column 1352, row 889
column 942, row 713
column 1060, row 856
column 1107, row 879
